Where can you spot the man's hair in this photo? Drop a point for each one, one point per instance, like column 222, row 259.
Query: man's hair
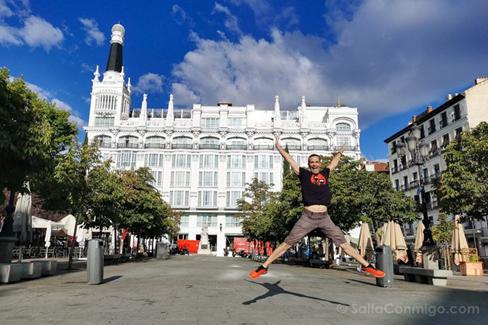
column 313, row 155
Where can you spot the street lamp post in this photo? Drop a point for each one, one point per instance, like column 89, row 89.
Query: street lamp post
column 419, row 151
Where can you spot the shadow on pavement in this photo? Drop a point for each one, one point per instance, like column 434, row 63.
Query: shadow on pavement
column 274, row 289
column 112, row 278
column 359, row 281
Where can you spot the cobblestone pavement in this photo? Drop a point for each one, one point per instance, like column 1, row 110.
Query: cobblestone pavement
column 211, row 290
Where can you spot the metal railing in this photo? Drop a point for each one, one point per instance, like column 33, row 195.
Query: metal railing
column 209, row 146
column 154, row 145
column 128, row 145
column 181, row 146
column 236, row 147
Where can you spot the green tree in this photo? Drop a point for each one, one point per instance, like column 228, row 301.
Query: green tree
column 145, row 213
column 33, row 132
column 257, row 220
column 442, row 234
column 463, row 186
column 67, row 188
column 105, row 194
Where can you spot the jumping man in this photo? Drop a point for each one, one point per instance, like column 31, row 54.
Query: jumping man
column 316, row 197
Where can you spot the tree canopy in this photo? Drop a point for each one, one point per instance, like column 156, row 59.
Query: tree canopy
column 463, row 186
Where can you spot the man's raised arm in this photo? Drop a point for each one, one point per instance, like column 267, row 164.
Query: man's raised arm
column 335, row 160
column 286, row 155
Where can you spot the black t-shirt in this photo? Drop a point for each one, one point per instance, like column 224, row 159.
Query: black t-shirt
column 315, row 187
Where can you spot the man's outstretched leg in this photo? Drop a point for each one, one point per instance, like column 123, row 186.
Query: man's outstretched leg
column 366, row 267
column 263, row 269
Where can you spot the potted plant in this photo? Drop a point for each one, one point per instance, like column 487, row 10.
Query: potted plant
column 473, row 266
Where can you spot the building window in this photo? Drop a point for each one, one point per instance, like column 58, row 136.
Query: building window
column 209, row 123
column 209, row 161
column 185, row 221
column 153, row 160
column 263, row 162
column 393, row 148
column 207, row 179
column 459, row 131
column 232, row 197
column 103, row 141
column 181, row 161
column 395, row 166
column 207, row 199
column 182, row 143
column 443, row 119
column 104, row 121
column 432, row 126
column 236, row 122
column 266, row 177
column 236, row 162
column 405, row 182
column 154, row 142
column 232, row 221
column 180, row 179
column 433, row 146
column 397, row 184
column 343, row 127
column 426, row 174
column 179, row 198
column 236, row 179
column 209, row 143
column 445, row 140
column 437, row 170
column 209, row 221
column 344, row 141
column 158, row 176
column 126, row 159
column 457, row 112
column 422, row 131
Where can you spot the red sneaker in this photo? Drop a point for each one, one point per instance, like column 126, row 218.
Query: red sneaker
column 261, row 270
column 370, row 269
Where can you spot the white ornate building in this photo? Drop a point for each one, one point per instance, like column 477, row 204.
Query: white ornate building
column 202, row 157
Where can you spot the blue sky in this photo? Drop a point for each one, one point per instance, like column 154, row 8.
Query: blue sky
column 389, row 58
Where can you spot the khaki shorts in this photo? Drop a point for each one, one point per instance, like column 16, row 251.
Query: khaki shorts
column 312, row 220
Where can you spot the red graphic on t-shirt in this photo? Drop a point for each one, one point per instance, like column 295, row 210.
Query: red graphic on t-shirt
column 318, row 179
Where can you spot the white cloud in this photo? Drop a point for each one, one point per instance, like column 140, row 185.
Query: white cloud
column 5, row 11
column 149, row 83
column 180, row 16
column 80, row 123
column 60, row 104
column 44, row 94
column 230, row 21
column 35, row 31
column 9, row 36
column 93, row 33
column 47, row 95
column 39, row 32
column 390, row 57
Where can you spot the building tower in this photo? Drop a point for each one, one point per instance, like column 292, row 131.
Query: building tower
column 110, row 97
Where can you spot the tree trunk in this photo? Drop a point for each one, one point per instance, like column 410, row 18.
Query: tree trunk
column 72, row 248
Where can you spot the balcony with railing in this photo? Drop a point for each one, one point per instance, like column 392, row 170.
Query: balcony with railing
column 293, row 147
column 131, row 145
column 318, row 147
column 209, row 146
column 154, row 145
column 236, row 147
column 263, row 147
column 181, row 146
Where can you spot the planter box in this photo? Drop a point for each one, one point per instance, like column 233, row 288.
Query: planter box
column 472, row 268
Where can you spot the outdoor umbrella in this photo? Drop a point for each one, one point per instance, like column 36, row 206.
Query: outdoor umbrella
column 22, row 218
column 47, row 238
column 381, row 234
column 419, row 239
column 365, row 240
column 394, row 238
column 458, row 242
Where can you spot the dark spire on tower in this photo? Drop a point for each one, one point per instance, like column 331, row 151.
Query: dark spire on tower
column 115, row 62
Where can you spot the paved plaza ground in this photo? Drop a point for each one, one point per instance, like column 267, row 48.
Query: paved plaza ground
column 211, row 290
